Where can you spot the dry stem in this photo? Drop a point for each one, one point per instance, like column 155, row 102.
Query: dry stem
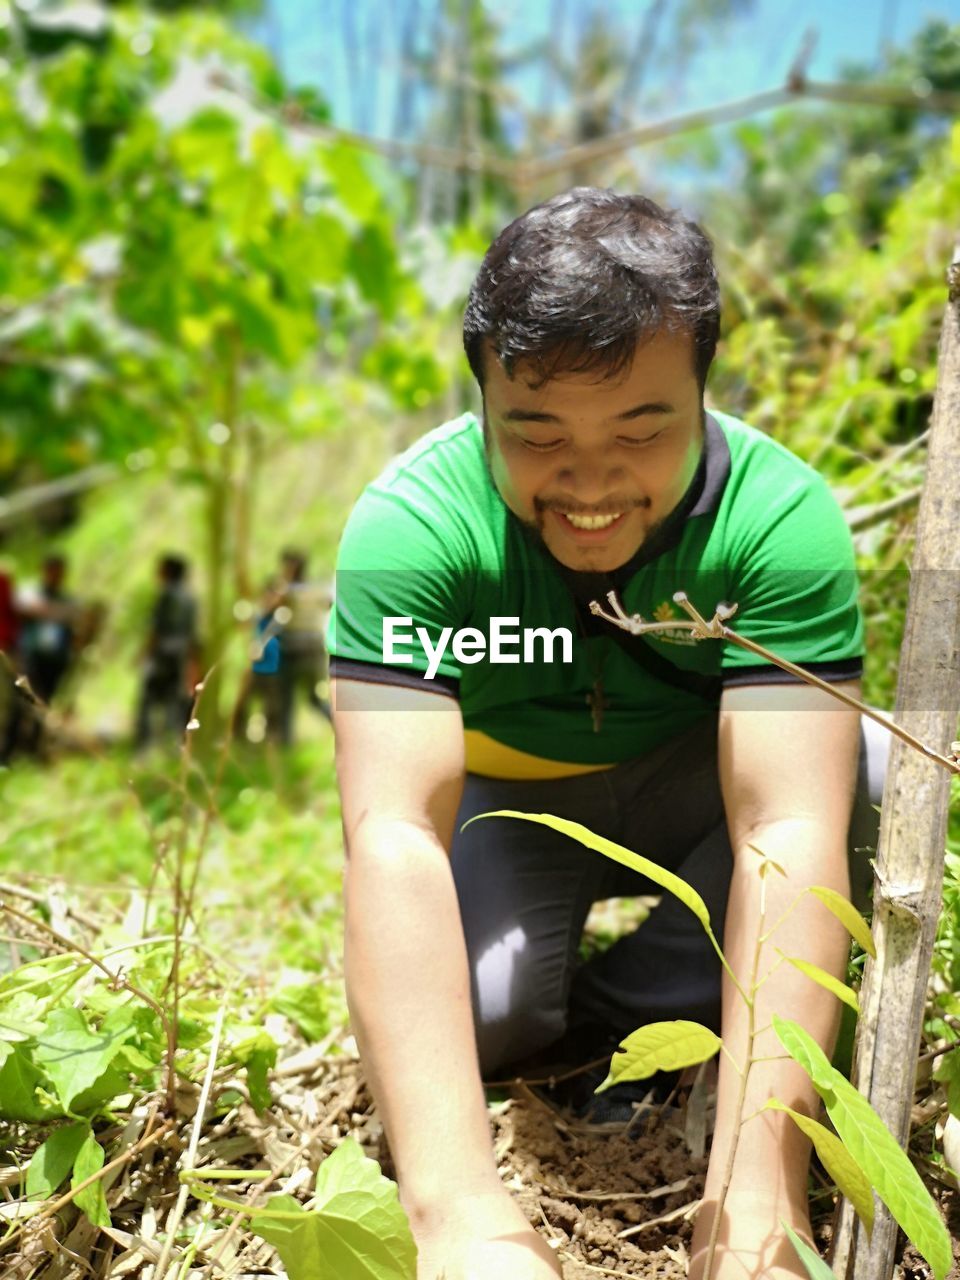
column 716, row 629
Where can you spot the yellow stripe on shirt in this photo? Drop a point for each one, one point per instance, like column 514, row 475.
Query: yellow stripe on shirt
column 494, row 759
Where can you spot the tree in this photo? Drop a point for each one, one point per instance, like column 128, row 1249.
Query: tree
column 175, row 250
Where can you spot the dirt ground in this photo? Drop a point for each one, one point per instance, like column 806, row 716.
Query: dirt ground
column 612, row 1200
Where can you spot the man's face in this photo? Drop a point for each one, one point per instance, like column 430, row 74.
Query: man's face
column 595, row 466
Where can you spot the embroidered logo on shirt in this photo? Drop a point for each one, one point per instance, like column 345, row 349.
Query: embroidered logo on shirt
column 665, row 612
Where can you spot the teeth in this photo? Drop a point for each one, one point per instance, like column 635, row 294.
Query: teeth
column 593, row 522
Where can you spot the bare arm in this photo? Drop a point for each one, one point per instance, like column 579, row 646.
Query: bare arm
column 788, row 771
column 401, row 775
column 401, row 771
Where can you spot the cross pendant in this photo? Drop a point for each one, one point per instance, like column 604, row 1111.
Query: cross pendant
column 596, row 702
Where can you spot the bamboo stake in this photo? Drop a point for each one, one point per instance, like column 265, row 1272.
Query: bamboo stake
column 909, row 872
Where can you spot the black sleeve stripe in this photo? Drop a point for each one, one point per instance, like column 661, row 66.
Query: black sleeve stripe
column 375, row 673
column 765, row 673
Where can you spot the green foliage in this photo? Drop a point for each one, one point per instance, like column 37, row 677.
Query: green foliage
column 814, row 1265
column 873, row 1147
column 825, row 980
column 836, row 1159
column 53, row 1159
column 186, row 273
column 866, row 1155
column 356, row 1227
column 256, row 1050
column 308, row 1008
column 92, row 1200
column 163, row 284
column 74, row 1057
column 660, row 1046
column 848, row 915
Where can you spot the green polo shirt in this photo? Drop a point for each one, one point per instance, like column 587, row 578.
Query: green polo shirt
column 432, row 543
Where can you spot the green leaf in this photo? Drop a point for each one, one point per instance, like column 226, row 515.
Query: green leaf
column 836, row 1159
column 74, row 1056
column 815, row 1266
column 660, row 1046
column 848, row 915
column 826, row 980
column 258, row 1053
column 54, row 1159
column 306, row 1006
column 92, row 1201
column 665, row 879
column 357, row 1229
column 19, row 1079
column 112, row 1084
column 874, row 1148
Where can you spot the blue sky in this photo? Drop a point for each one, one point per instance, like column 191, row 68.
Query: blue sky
column 745, row 55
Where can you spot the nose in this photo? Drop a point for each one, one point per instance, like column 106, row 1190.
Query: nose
column 591, row 478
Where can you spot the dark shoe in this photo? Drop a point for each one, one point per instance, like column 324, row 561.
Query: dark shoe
column 617, row 1105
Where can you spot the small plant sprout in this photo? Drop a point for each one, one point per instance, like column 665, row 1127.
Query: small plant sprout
column 861, row 1156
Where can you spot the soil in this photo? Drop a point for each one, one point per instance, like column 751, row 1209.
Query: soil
column 611, row 1199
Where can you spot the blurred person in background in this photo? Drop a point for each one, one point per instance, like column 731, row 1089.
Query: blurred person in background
column 257, row 707
column 299, row 608
column 171, row 655
column 47, row 616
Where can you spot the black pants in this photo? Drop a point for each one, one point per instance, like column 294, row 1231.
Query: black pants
column 24, row 721
column 164, row 703
column 525, row 892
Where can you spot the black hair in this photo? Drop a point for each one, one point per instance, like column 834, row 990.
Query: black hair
column 173, row 569
column 297, row 560
column 575, row 283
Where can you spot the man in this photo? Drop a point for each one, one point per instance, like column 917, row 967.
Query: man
column 590, row 329
column 48, row 617
column 300, row 612
column 171, row 654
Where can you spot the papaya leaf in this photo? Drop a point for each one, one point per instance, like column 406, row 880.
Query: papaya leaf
column 874, row 1148
column 91, row 1201
column 826, row 980
column 659, row 875
column 53, row 1160
column 357, row 1228
column 814, row 1265
column 660, row 1046
column 848, row 915
column 836, row 1159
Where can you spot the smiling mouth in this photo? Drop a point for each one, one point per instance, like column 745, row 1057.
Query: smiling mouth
column 590, row 528
column 591, row 522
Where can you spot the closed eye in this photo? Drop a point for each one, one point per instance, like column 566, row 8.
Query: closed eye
column 540, row 448
column 634, row 442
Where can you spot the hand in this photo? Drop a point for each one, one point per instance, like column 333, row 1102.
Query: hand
column 480, row 1237
column 752, row 1244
